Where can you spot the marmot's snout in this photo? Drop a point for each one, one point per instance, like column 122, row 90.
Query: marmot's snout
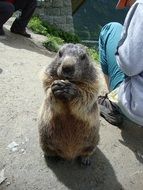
column 68, row 70
column 68, row 67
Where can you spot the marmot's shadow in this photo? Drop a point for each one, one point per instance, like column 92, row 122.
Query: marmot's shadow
column 99, row 176
column 132, row 136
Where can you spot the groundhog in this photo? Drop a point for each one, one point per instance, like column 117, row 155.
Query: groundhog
column 69, row 116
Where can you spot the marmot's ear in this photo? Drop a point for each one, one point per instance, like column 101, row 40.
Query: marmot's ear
column 61, row 47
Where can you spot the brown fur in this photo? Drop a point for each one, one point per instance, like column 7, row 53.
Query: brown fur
column 69, row 123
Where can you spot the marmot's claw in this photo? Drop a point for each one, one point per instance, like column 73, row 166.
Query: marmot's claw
column 64, row 90
column 85, row 161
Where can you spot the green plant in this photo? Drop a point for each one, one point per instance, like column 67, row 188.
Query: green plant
column 43, row 27
column 56, row 37
column 53, row 43
column 66, row 36
column 36, row 25
column 93, row 53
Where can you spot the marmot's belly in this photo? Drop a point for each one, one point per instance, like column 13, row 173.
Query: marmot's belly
column 70, row 137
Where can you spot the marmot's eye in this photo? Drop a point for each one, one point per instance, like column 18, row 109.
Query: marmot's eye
column 60, row 54
column 83, row 56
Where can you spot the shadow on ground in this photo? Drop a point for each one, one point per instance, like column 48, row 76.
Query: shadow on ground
column 100, row 175
column 20, row 42
column 133, row 138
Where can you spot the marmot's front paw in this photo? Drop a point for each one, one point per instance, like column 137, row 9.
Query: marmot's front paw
column 64, row 90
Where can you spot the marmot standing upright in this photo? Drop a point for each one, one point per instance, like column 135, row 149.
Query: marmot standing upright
column 69, row 116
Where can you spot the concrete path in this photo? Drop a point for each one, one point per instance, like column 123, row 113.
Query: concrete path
column 117, row 164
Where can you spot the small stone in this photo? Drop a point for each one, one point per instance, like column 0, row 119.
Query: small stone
column 12, row 145
column 8, row 183
column 1, row 70
column 22, row 150
column 2, row 177
column 14, row 149
column 26, row 139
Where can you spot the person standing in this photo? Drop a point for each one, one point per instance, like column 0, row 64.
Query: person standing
column 8, row 7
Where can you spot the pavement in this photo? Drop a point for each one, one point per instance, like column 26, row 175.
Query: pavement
column 117, row 163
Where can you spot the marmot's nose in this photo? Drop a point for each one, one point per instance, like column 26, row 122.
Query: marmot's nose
column 68, row 69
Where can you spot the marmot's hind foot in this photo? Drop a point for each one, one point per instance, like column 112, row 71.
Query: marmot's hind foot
column 85, row 161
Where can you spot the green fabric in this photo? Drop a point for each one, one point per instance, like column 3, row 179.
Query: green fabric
column 108, row 41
